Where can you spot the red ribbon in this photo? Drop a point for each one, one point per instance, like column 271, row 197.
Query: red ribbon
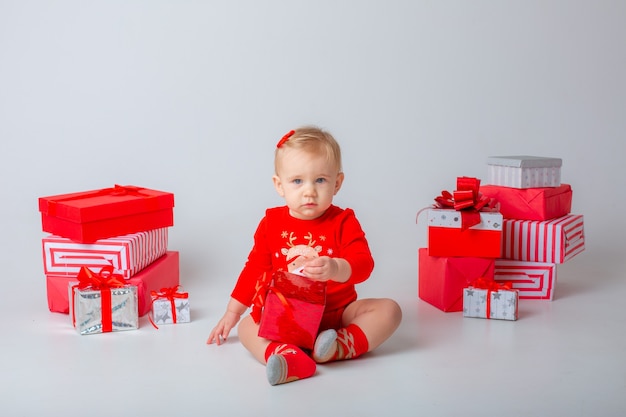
column 104, row 281
column 467, row 200
column 169, row 294
column 116, row 190
column 263, row 286
column 483, row 283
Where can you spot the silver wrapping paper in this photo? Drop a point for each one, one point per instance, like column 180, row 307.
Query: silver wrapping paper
column 87, row 309
column 503, row 303
column 162, row 311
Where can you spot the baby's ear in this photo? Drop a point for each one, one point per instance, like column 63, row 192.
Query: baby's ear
column 339, row 182
column 278, row 185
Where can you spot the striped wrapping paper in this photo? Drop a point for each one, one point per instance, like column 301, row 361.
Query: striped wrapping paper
column 533, row 280
column 127, row 254
column 553, row 241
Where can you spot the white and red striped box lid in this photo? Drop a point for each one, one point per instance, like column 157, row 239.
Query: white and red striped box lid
column 127, row 254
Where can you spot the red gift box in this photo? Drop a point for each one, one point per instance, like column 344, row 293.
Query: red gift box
column 442, row 279
column 543, row 203
column 91, row 215
column 446, row 237
column 554, row 241
column 464, row 223
column 162, row 273
column 56, row 290
column 533, row 280
column 292, row 309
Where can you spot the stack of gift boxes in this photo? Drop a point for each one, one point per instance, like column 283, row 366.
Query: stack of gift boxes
column 539, row 230
column 492, row 245
column 106, row 258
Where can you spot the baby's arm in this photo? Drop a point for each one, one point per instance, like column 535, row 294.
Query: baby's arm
column 231, row 317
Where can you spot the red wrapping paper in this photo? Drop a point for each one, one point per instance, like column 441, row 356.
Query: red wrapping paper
column 91, row 215
column 292, row 310
column 162, row 273
column 57, row 293
column 447, row 238
column 441, row 279
column 543, row 203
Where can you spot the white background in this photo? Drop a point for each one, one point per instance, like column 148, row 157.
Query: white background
column 191, row 97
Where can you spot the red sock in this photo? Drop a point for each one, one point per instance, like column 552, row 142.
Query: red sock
column 351, row 342
column 286, row 363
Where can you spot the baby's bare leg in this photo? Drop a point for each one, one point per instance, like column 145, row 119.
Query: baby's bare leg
column 377, row 317
column 248, row 332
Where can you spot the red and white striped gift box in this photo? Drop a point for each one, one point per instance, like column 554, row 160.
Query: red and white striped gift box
column 127, row 254
column 533, row 280
column 554, row 241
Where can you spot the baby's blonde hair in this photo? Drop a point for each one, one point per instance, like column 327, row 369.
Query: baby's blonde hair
column 314, row 140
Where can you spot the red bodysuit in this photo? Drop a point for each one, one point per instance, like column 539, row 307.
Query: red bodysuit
column 280, row 238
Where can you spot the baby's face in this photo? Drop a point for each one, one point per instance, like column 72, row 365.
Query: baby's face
column 308, row 182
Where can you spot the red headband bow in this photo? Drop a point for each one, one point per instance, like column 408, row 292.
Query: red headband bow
column 285, row 138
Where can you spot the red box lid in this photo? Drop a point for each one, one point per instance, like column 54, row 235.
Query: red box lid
column 106, row 203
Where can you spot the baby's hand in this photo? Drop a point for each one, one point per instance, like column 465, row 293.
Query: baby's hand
column 321, row 269
column 224, row 326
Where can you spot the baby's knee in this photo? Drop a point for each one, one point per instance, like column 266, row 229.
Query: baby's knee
column 245, row 325
column 393, row 310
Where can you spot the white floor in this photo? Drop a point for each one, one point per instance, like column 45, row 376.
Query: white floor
column 566, row 357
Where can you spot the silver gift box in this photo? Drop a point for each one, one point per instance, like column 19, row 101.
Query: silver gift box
column 502, row 303
column 162, row 311
column 86, row 309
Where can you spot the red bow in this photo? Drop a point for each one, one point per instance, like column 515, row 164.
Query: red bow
column 105, row 280
column 466, row 199
column 263, row 286
column 483, row 283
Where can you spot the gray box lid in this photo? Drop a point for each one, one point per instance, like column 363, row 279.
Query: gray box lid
column 524, row 161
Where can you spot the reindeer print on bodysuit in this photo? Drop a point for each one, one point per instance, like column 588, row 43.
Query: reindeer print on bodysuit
column 297, row 255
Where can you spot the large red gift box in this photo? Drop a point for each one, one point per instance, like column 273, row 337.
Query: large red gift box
column 446, row 237
column 533, row 280
column 292, row 310
column 542, row 203
column 441, row 279
column 162, row 273
column 91, row 215
column 554, row 241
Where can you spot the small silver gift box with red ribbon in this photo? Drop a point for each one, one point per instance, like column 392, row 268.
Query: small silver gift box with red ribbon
column 170, row 306
column 490, row 300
